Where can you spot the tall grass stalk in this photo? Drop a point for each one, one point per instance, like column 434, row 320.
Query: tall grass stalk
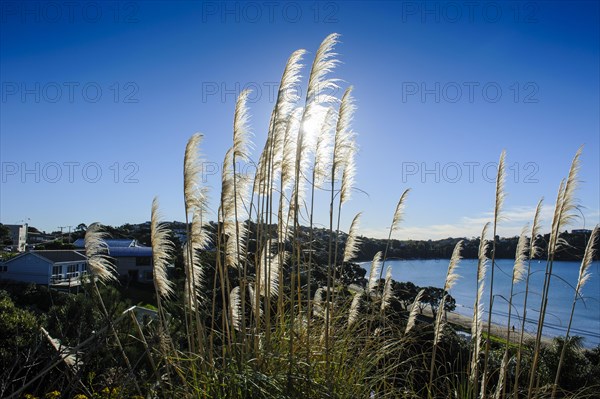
column 241, row 151
column 192, row 168
column 451, row 277
column 498, row 203
column 396, row 220
column 414, row 310
column 323, row 153
column 347, row 185
column 101, row 269
column 162, row 251
column 517, row 275
column 343, row 153
column 316, row 96
column 533, row 252
column 563, row 214
column 276, row 163
column 584, row 275
column 476, row 322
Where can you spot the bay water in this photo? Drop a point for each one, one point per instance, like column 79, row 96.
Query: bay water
column 586, row 320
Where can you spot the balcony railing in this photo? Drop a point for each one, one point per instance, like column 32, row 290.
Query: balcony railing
column 68, row 279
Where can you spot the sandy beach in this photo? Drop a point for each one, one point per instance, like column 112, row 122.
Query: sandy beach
column 464, row 322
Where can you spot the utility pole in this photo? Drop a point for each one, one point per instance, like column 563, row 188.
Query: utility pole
column 69, row 236
column 61, row 231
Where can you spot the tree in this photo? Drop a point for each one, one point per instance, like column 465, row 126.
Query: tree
column 576, row 369
column 20, row 332
column 405, row 292
column 5, row 238
column 433, row 296
column 352, row 273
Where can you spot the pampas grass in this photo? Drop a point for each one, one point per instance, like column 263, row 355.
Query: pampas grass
column 352, row 241
column 270, row 271
column 414, row 310
column 344, row 137
column 354, row 308
column 344, row 152
column 520, row 257
column 96, row 250
column 263, row 322
column 192, row 168
column 498, row 204
column 517, row 276
column 374, row 273
column 317, row 302
column 241, row 130
column 348, row 174
column 235, row 308
column 588, row 257
column 386, row 298
column 162, row 249
column 324, row 63
column 476, row 322
column 162, row 252
column 533, row 252
column 396, row 220
column 451, row 278
column 584, row 275
column 101, row 268
column 563, row 214
column 194, row 201
column 399, row 212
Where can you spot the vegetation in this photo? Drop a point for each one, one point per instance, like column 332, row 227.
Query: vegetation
column 397, row 248
column 263, row 307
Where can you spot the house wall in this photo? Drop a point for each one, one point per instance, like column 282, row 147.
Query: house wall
column 28, row 268
column 128, row 263
column 79, row 268
column 124, row 264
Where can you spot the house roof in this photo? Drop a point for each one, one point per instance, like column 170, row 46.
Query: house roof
column 121, row 250
column 129, row 251
column 111, row 243
column 55, row 256
column 61, row 256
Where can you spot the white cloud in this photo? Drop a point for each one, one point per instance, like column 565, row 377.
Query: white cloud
column 511, row 224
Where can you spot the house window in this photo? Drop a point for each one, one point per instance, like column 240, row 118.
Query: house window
column 57, row 273
column 72, row 271
column 147, row 276
column 3, row 268
column 143, row 261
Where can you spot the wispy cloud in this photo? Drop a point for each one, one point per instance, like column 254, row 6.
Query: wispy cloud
column 514, row 220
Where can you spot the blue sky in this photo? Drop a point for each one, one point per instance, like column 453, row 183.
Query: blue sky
column 99, row 99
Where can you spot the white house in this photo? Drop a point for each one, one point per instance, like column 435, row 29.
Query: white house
column 62, row 268
column 18, row 235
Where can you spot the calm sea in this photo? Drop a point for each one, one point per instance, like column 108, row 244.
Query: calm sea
column 586, row 321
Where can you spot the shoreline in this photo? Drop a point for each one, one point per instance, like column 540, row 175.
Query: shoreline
column 496, row 330
column 448, row 259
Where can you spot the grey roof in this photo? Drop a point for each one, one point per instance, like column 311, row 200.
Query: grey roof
column 111, row 242
column 61, row 256
column 130, row 251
